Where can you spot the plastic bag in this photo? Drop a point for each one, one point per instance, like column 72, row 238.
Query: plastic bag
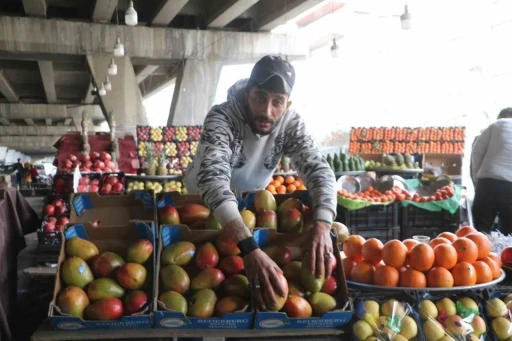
column 455, row 316
column 498, row 312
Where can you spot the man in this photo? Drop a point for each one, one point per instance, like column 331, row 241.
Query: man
column 19, row 168
column 242, row 142
column 491, row 164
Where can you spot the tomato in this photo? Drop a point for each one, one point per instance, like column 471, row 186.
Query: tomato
column 400, row 197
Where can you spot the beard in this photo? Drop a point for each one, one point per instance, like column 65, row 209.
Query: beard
column 262, row 125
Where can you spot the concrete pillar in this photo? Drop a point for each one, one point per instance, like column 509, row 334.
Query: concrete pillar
column 125, row 98
column 195, row 92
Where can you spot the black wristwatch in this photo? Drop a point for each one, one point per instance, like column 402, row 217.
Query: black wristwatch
column 248, row 245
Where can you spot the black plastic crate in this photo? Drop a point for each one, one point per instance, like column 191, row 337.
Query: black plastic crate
column 383, row 234
column 47, row 238
column 413, row 216
column 432, row 232
column 376, row 216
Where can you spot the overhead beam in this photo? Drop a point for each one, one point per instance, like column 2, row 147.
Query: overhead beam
column 48, row 77
column 89, row 97
column 48, row 121
column 103, row 10
column 13, row 130
column 145, row 72
column 43, row 111
column 229, row 12
column 35, row 8
column 29, row 121
column 59, row 37
column 6, row 89
column 167, row 11
column 67, row 121
column 287, row 10
column 4, row 121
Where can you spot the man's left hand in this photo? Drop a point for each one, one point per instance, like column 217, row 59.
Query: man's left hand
column 319, row 250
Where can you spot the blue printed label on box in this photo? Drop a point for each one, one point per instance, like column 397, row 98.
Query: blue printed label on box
column 334, row 319
column 82, row 203
column 147, row 199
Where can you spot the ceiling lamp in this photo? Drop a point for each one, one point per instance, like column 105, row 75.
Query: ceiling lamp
column 102, row 91
column 107, row 84
column 118, row 48
column 112, row 68
column 405, row 19
column 335, row 49
column 130, row 16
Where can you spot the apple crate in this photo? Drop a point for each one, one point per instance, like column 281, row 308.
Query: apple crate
column 112, row 183
column 115, row 239
column 62, row 184
column 165, row 318
column 89, row 182
column 413, row 216
column 50, row 231
column 52, row 200
column 280, row 320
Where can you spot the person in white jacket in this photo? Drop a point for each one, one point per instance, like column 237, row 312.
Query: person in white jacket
column 491, row 166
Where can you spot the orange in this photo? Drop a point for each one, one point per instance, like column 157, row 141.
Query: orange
column 281, row 189
column 483, row 272
column 467, row 250
column 273, row 192
column 372, row 250
column 394, row 253
column 448, row 235
column 289, row 180
column 362, row 272
column 495, row 269
column 276, row 184
column 439, row 240
column 411, row 278
column 291, row 188
column 464, row 230
column 348, row 264
column 421, row 257
column 387, row 276
column 495, row 258
column 379, row 264
column 297, row 183
column 464, row 274
column 445, row 256
column 482, row 243
column 301, row 188
column 439, row 277
column 353, row 247
column 271, row 188
column 410, row 243
column 279, row 179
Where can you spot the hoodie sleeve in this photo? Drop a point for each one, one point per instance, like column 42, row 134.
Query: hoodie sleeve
column 214, row 174
column 312, row 168
column 479, row 150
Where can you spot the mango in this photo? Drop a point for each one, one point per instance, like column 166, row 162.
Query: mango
column 174, row 301
column 248, row 218
column 131, row 276
column 207, row 279
column 82, row 248
column 226, row 246
column 207, row 256
column 139, row 251
column 202, row 304
column 174, row 278
column 266, row 219
column 212, row 223
column 106, row 264
column 264, row 200
column 107, row 309
column 103, row 288
column 309, row 281
column 296, row 289
column 134, row 302
column 236, row 285
column 322, row 303
column 75, row 272
column 288, row 204
column 279, row 254
column 291, row 222
column 230, row 304
column 168, row 215
column 191, row 213
column 280, row 301
column 180, row 253
column 73, row 301
column 297, row 307
column 232, row 265
column 291, row 271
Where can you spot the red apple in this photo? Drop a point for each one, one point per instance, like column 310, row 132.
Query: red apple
column 110, row 165
column 105, row 156
column 85, row 158
column 82, row 188
column 88, row 164
column 51, row 220
column 107, row 170
column 506, row 255
column 68, row 164
column 72, row 157
column 99, row 164
column 49, row 210
column 94, row 155
column 84, row 181
column 330, row 286
column 60, row 210
column 49, row 227
column 94, row 188
column 59, row 227
column 117, row 188
column 63, row 221
column 58, row 202
column 95, row 182
column 106, row 189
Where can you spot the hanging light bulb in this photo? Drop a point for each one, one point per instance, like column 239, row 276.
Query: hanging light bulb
column 405, row 19
column 335, row 49
column 130, row 16
column 118, row 48
column 102, row 91
column 107, row 84
column 112, row 68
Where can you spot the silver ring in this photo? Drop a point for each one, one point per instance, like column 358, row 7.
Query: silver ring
column 327, row 255
column 256, row 285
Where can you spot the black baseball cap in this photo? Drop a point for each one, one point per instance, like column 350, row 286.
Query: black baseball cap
column 270, row 66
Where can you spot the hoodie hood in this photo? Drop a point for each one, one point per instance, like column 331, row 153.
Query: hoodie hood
column 236, row 99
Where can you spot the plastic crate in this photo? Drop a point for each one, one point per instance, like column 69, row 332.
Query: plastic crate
column 432, row 232
column 383, row 234
column 377, row 216
column 413, row 216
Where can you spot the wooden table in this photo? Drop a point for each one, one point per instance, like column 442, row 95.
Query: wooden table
column 46, row 333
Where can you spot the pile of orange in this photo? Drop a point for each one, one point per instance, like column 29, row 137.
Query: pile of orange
column 463, row 258
column 281, row 185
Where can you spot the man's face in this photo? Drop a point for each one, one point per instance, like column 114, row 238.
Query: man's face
column 265, row 109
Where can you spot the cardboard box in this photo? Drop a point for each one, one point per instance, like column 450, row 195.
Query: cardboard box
column 246, row 199
column 113, row 210
column 279, row 320
column 115, row 239
column 168, row 319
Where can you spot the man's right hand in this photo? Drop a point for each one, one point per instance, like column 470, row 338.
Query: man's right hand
column 262, row 272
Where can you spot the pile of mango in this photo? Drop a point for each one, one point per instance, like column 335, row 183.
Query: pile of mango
column 104, row 287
